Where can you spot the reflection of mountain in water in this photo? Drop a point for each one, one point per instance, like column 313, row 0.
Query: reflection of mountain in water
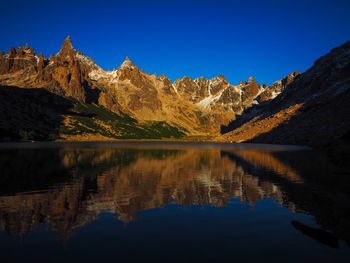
column 67, row 188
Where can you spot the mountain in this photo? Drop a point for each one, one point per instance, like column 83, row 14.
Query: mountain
column 97, row 98
column 69, row 96
column 314, row 109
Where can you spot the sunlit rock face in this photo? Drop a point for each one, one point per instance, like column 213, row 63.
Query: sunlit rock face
column 74, row 185
column 277, row 87
column 305, row 111
column 198, row 106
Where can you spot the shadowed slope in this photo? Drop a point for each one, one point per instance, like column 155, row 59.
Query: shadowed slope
column 31, row 114
column 37, row 114
column 313, row 110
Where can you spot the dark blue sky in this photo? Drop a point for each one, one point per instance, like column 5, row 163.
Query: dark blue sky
column 267, row 39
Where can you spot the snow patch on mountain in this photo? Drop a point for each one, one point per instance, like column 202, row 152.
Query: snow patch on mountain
column 206, row 102
column 111, row 77
column 85, row 59
column 174, row 86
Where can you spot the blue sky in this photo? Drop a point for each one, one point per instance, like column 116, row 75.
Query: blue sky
column 267, row 39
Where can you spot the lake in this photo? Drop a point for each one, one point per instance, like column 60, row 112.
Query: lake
column 171, row 202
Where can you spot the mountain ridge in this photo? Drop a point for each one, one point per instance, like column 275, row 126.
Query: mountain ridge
column 313, row 110
column 187, row 107
column 199, row 106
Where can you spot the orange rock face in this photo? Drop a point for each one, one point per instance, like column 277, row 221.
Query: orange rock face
column 313, row 109
column 200, row 106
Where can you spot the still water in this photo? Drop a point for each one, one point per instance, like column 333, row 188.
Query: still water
column 171, row 202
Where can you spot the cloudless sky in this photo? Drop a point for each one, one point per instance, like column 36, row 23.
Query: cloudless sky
column 264, row 38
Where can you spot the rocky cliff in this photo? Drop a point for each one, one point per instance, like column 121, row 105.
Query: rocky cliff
column 196, row 106
column 314, row 109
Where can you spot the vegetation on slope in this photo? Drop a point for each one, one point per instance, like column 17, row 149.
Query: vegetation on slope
column 37, row 114
column 94, row 119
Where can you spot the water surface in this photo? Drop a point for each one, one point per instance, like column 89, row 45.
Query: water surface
column 171, row 202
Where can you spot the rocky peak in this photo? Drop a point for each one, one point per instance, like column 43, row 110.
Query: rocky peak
column 41, row 65
column 22, row 52
column 204, row 102
column 52, row 58
column 220, row 77
column 18, row 59
column 12, row 52
column 41, row 56
column 250, row 91
column 251, row 79
column 217, row 84
column 187, row 79
column 200, row 79
column 129, row 71
column 66, row 47
column 312, row 110
column 277, row 87
column 218, row 80
column 185, row 84
column 28, row 50
column 202, row 82
column 167, row 86
column 162, row 77
column 128, row 64
column 290, row 78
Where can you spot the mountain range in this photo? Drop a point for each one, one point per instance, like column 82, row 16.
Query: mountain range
column 68, row 96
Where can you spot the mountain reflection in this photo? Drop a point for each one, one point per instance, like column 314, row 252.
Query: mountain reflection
column 67, row 188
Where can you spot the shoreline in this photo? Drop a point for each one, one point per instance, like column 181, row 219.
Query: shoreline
column 155, row 144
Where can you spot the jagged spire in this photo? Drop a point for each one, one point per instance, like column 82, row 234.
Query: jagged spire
column 41, row 65
column 66, row 46
column 186, row 78
column 52, row 58
column 127, row 64
column 67, row 41
column 41, row 56
column 251, row 79
column 221, row 77
column 12, row 52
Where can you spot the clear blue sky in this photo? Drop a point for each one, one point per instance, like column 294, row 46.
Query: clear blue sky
column 267, row 39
